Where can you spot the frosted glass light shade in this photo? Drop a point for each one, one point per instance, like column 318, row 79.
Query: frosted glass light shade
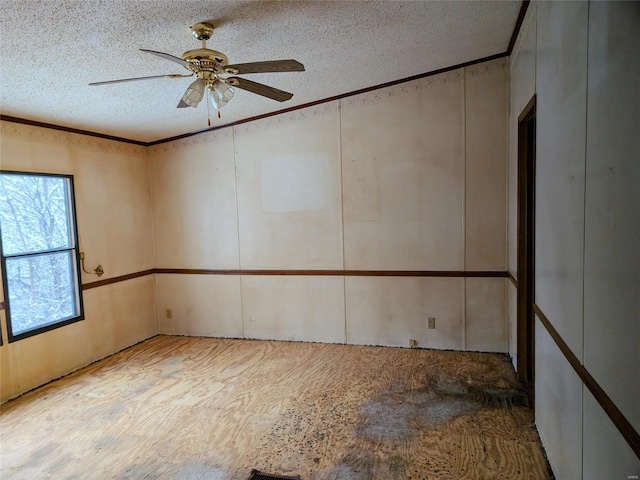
column 220, row 94
column 194, row 93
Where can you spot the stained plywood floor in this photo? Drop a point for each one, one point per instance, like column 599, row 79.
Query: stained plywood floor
column 203, row 408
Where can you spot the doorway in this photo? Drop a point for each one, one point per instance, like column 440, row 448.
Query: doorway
column 526, row 242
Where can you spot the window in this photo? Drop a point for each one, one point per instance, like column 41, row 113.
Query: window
column 40, row 268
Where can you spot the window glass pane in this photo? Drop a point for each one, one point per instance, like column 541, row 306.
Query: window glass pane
column 41, row 290
column 34, row 213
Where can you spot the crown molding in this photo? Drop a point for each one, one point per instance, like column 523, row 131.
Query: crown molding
column 51, row 126
column 516, row 29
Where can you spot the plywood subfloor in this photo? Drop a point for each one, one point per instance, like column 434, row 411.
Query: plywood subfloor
column 202, row 408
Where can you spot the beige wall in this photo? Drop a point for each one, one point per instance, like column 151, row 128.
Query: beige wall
column 584, row 59
column 113, row 206
column 410, row 177
column 406, row 178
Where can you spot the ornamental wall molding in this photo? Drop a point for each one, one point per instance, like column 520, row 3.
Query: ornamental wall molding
column 205, row 138
column 287, row 118
column 402, row 89
column 480, row 69
column 35, row 134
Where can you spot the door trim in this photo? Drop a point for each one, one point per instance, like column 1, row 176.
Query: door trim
column 526, row 242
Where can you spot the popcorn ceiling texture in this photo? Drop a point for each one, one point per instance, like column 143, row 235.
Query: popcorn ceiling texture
column 51, row 50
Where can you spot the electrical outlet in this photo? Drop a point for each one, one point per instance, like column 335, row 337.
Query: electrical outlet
column 413, row 343
column 431, row 322
column 169, row 313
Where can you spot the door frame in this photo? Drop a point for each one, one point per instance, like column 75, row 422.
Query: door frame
column 526, row 243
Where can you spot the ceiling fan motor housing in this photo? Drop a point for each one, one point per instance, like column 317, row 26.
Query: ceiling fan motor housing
column 204, row 59
column 204, row 62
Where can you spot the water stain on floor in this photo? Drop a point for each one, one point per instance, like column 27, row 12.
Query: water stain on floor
column 399, row 416
column 399, row 413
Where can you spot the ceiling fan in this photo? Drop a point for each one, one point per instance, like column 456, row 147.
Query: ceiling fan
column 212, row 67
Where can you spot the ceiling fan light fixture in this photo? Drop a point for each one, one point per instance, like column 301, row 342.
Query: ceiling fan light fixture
column 219, row 94
column 214, row 99
column 225, row 91
column 194, row 93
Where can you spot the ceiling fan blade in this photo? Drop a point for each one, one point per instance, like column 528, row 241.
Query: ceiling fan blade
column 193, row 95
column 259, row 89
column 138, row 78
column 167, row 56
column 265, row 67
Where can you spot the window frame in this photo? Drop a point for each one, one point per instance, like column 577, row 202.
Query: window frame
column 75, row 253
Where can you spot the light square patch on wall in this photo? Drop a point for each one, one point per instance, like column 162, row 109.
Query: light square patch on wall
column 295, row 183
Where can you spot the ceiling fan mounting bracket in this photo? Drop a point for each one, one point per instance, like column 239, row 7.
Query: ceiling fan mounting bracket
column 202, row 30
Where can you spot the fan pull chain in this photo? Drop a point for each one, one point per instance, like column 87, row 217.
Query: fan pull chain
column 219, row 114
column 208, row 114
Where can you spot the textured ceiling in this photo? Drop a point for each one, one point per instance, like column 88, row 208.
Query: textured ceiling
column 51, row 50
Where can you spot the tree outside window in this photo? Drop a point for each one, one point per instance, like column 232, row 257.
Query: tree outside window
column 39, row 253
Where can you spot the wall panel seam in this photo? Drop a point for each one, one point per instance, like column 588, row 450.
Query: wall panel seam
column 344, row 260
column 235, row 179
column 584, row 225
column 153, row 239
column 464, row 206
